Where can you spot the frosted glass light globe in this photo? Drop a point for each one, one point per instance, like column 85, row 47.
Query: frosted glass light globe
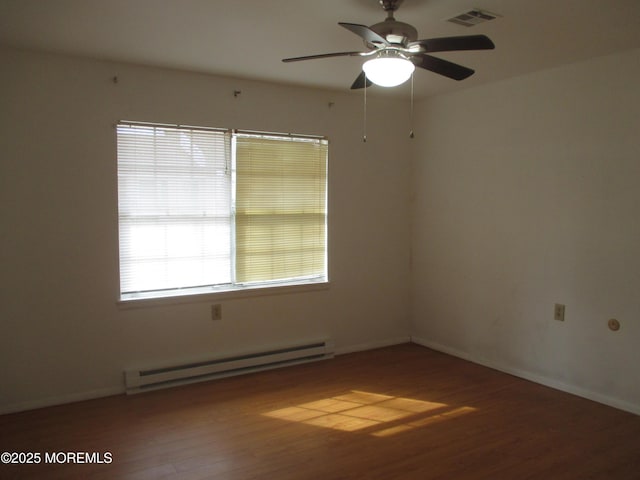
column 388, row 71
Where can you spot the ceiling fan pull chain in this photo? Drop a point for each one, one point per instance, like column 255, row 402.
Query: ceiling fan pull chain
column 364, row 137
column 411, row 135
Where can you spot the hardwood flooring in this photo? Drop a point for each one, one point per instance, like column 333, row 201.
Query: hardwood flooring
column 402, row 412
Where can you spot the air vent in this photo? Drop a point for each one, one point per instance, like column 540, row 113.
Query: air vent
column 472, row 17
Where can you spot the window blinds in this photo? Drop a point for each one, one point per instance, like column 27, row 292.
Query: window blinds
column 280, row 216
column 174, row 207
column 204, row 209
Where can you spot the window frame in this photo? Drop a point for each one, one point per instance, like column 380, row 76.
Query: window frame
column 233, row 289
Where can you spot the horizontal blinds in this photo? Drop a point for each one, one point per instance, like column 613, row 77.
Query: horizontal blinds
column 174, row 200
column 280, row 217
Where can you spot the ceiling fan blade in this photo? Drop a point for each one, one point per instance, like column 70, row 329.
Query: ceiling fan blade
column 325, row 55
column 365, row 32
column 442, row 67
column 449, row 44
column 361, row 81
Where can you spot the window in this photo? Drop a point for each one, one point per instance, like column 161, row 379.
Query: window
column 204, row 210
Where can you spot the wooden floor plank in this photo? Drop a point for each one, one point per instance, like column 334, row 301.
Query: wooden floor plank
column 403, row 412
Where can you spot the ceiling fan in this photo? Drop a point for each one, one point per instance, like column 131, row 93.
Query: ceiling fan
column 395, row 51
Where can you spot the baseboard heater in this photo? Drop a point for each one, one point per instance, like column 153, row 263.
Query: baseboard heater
column 140, row 380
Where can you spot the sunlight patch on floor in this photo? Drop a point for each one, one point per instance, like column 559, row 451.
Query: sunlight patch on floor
column 382, row 415
column 423, row 422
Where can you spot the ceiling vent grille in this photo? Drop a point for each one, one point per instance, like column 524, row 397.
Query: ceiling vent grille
column 472, row 17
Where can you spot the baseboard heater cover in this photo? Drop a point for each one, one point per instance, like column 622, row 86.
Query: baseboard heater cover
column 141, row 380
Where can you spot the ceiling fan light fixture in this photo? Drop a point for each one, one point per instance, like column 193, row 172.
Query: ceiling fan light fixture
column 388, row 71
column 396, row 52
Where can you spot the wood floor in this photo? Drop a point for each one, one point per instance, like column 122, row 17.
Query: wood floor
column 402, row 412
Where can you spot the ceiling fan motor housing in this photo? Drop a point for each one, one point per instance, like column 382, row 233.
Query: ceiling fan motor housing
column 396, row 33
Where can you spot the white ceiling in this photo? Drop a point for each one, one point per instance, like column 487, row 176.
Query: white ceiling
column 248, row 38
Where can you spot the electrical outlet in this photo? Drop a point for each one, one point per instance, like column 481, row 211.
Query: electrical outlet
column 558, row 312
column 216, row 312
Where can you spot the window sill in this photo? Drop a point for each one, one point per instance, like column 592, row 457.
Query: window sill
column 212, row 296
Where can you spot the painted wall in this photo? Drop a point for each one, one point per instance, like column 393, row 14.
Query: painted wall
column 526, row 194
column 62, row 336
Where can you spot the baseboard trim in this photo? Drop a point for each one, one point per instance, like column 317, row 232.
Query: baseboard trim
column 107, row 392
column 542, row 380
column 361, row 347
column 61, row 400
column 533, row 377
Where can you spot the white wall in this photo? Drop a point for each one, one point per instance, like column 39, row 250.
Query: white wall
column 526, row 194
column 62, row 336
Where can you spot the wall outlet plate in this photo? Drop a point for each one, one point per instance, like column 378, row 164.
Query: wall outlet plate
column 558, row 312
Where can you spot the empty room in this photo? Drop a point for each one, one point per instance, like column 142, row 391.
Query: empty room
column 337, row 239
